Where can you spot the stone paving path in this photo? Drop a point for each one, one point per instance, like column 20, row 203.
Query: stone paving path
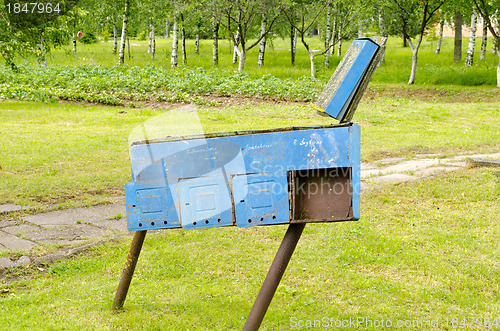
column 79, row 226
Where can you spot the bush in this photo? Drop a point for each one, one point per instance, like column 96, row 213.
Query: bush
column 142, row 35
column 88, row 38
column 105, row 34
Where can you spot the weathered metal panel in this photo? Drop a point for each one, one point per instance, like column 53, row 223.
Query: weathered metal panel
column 266, row 200
column 344, row 89
column 201, row 172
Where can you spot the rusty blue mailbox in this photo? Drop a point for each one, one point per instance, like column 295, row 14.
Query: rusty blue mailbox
column 289, row 176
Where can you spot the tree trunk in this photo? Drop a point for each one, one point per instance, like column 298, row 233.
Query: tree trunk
column 469, row 58
column 293, row 43
column 183, row 38
column 115, row 39
column 498, row 67
column 243, row 55
column 150, row 40
column 414, row 57
column 311, row 58
column 383, row 35
column 262, row 46
column 121, row 55
column 197, row 41
column 332, row 37
column 74, row 42
column 457, row 53
column 167, row 29
column 43, row 54
column 128, row 46
column 153, row 41
column 440, row 39
column 360, row 30
column 405, row 42
column 484, row 42
column 215, row 45
column 339, row 45
column 327, row 37
column 175, row 44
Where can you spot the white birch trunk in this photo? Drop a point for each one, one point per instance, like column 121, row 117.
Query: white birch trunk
column 43, row 54
column 121, row 55
column 360, row 29
column 235, row 49
column 153, row 41
column 440, row 38
column 74, row 42
column 293, row 38
column 262, row 45
column 149, row 43
column 327, row 37
column 332, row 38
column 175, row 44
column 498, row 67
column 469, row 59
column 115, row 39
column 215, row 44
column 183, row 39
column 197, row 41
column 128, row 46
column 484, row 42
column 383, row 35
column 311, row 58
column 339, row 45
column 414, row 58
column 243, row 56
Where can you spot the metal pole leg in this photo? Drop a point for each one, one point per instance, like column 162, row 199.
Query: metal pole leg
column 273, row 277
column 128, row 270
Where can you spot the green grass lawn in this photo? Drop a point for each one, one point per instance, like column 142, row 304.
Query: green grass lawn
column 421, row 251
column 74, row 152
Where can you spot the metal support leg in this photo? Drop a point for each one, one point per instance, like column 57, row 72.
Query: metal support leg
column 128, row 270
column 273, row 277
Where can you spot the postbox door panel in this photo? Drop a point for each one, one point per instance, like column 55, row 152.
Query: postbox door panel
column 261, row 199
column 205, row 202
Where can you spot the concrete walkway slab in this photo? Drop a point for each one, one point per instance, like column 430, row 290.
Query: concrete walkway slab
column 72, row 216
column 15, row 243
column 411, row 165
column 7, row 208
column 393, row 178
column 20, row 228
column 434, row 171
column 74, row 232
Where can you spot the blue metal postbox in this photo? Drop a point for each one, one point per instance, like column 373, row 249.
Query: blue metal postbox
column 249, row 178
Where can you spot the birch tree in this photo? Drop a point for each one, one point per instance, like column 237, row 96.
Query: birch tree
column 469, row 59
column 484, row 41
column 441, row 28
column 175, row 44
column 244, row 14
column 490, row 11
column 262, row 46
column 424, row 11
column 121, row 55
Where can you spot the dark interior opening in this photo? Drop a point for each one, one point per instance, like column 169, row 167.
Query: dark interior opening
column 321, row 195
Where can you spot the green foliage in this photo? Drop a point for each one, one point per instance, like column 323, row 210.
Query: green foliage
column 88, row 37
column 142, row 35
column 112, row 86
column 105, row 34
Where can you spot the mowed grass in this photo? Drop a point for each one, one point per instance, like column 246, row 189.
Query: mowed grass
column 70, row 151
column 422, row 251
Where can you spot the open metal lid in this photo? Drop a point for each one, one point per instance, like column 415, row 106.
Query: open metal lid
column 343, row 91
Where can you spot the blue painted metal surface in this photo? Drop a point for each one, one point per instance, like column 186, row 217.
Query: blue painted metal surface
column 346, row 84
column 239, row 178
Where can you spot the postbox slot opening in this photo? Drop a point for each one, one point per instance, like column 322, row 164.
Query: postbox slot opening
column 321, row 194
